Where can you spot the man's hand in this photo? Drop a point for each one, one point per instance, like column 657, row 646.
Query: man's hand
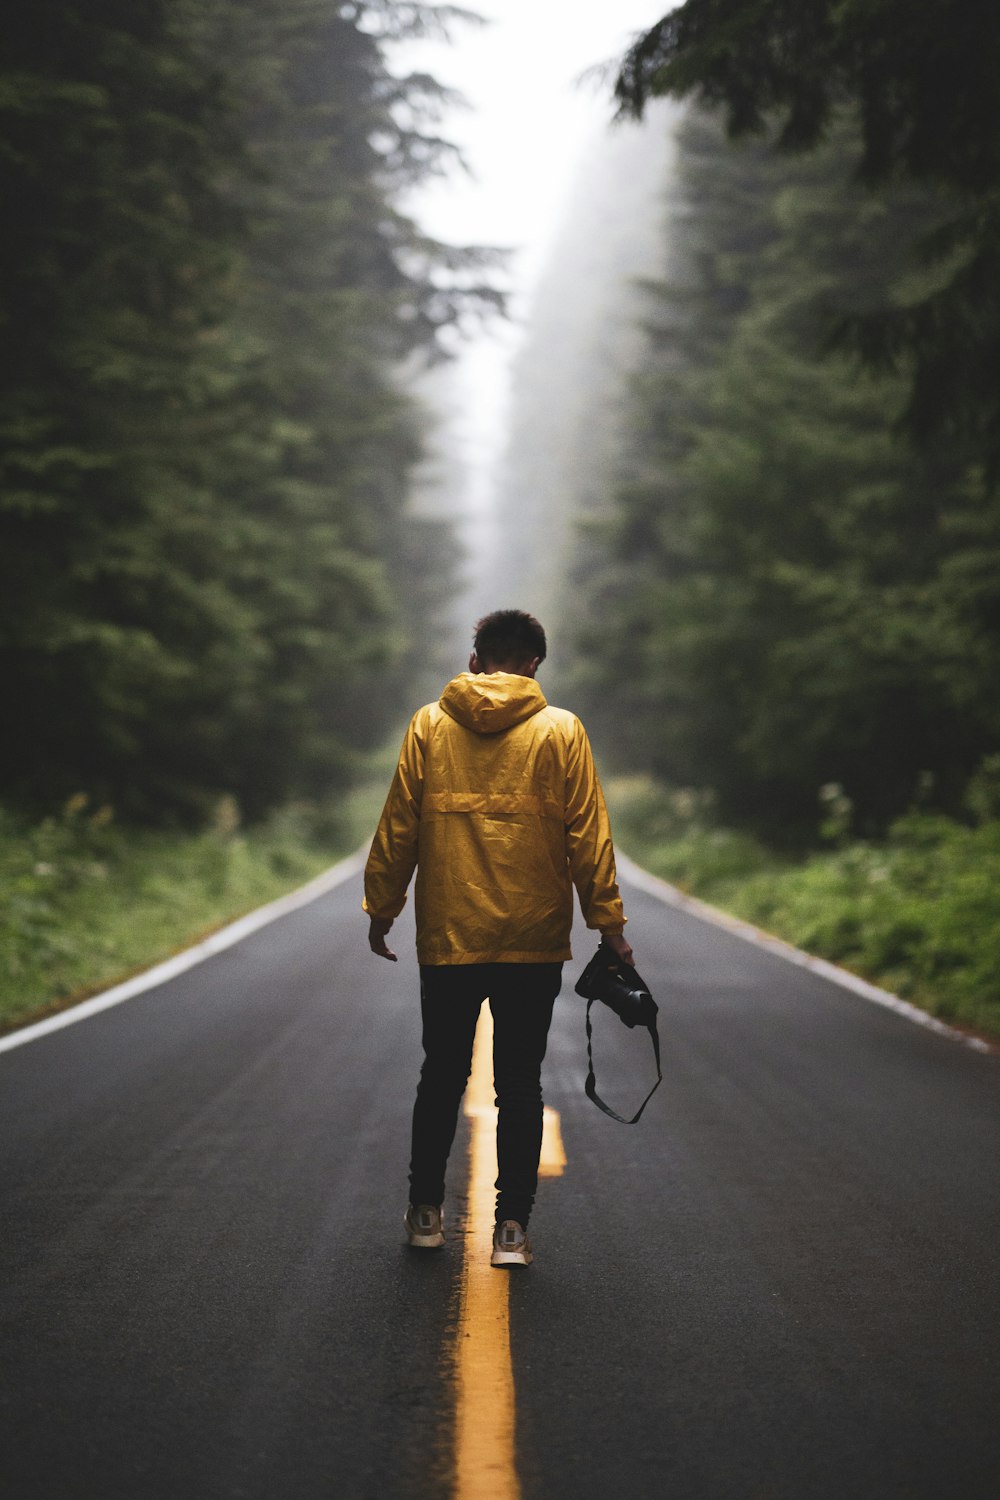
column 619, row 945
column 377, row 930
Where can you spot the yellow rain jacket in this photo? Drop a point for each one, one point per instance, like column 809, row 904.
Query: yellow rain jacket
column 497, row 805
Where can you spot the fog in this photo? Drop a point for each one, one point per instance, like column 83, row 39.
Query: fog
column 552, row 180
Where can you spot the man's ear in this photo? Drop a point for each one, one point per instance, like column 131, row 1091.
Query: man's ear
column 532, row 666
column 474, row 664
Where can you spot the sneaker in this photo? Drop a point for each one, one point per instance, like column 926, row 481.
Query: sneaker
column 424, row 1226
column 511, row 1246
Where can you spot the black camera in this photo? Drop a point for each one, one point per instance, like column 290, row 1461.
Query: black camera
column 618, row 985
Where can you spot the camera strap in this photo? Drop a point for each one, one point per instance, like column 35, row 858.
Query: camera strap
column 590, row 1086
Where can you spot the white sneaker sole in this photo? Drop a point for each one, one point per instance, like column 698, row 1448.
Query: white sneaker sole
column 511, row 1258
column 422, row 1241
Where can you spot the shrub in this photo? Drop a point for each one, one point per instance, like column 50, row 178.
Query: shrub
column 916, row 912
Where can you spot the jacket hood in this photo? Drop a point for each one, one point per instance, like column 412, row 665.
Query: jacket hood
column 489, row 702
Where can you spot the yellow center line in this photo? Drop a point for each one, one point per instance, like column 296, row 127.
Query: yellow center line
column 553, row 1158
column 484, row 1417
column 485, row 1465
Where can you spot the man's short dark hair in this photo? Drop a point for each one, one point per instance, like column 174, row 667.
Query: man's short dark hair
column 509, row 636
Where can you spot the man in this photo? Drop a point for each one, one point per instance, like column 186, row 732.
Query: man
column 497, row 806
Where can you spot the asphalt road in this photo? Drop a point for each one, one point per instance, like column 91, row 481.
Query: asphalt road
column 782, row 1285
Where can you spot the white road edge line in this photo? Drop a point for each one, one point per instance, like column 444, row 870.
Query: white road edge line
column 225, row 937
column 669, row 894
column 328, row 880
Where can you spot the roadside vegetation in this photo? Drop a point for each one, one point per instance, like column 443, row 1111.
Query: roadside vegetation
column 85, row 902
column 792, row 592
column 208, row 292
column 914, row 911
column 216, row 596
column 214, row 592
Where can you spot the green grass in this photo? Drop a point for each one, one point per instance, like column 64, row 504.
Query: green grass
column 84, row 903
column 918, row 913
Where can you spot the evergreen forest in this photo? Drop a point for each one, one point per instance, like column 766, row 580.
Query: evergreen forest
column 758, row 500
column 788, row 614
column 794, row 594
column 209, row 582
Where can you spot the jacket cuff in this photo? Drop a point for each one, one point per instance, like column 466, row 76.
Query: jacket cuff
column 388, row 915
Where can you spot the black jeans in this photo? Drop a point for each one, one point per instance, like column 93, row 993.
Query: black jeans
column 521, row 999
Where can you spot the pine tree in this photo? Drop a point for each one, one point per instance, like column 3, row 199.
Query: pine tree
column 782, row 612
column 112, row 271
column 206, row 444
column 922, row 82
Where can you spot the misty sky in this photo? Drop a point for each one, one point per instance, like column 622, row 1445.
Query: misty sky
column 525, row 136
column 529, row 121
